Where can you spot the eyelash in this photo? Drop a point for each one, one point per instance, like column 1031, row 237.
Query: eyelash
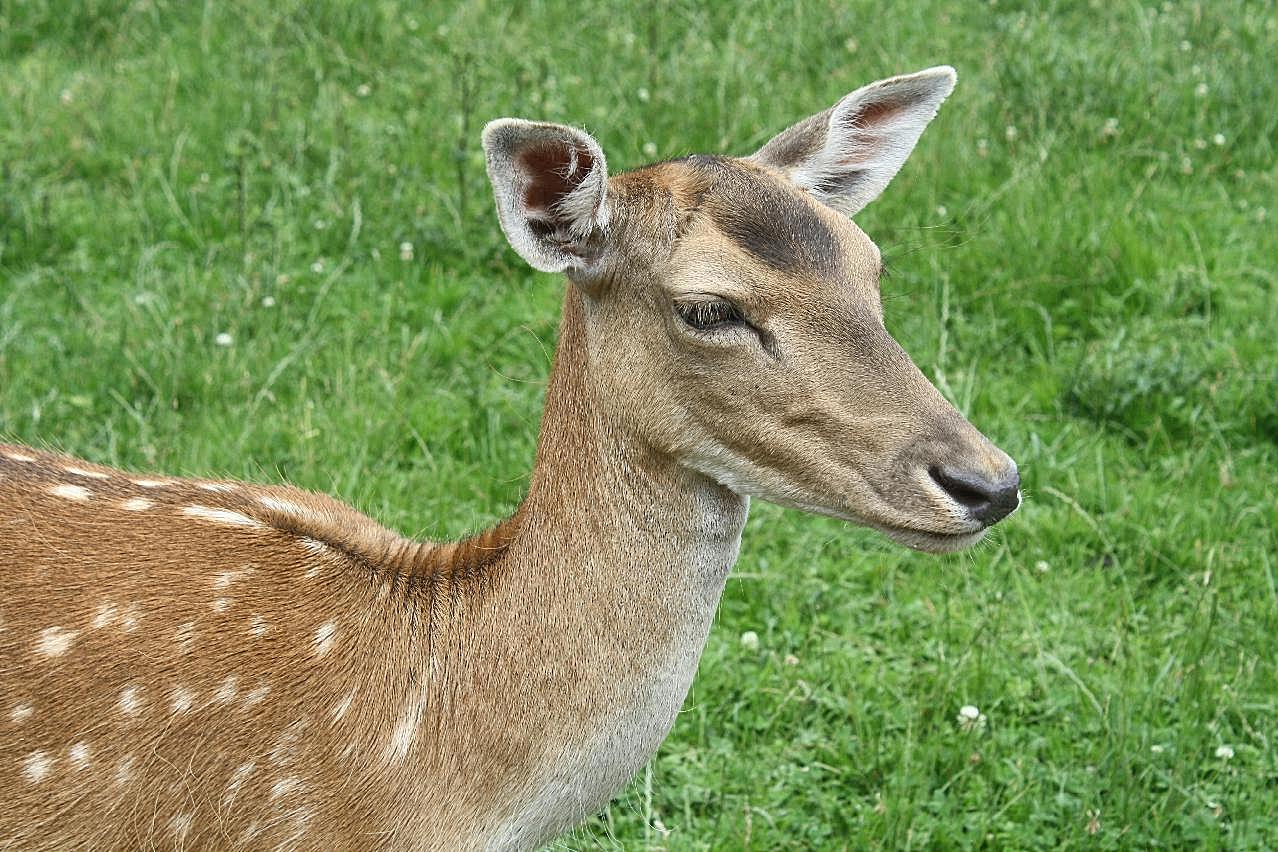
column 709, row 315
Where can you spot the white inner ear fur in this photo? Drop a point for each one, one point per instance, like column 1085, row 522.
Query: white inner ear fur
column 847, row 155
column 550, row 182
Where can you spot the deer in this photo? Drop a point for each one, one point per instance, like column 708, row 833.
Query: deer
column 202, row 663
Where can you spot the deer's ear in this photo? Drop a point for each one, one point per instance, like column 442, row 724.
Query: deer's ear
column 846, row 155
column 551, row 186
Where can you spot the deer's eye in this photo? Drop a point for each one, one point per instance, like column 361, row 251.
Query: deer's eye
column 709, row 314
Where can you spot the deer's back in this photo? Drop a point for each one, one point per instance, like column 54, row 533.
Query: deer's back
column 181, row 665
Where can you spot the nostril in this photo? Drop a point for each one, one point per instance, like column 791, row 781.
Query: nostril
column 963, row 491
column 986, row 501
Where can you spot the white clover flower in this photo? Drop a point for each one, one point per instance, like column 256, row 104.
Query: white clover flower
column 650, row 149
column 223, row 339
column 970, row 718
column 1200, row 144
column 1011, row 133
column 643, row 94
column 750, row 640
column 942, row 211
column 268, row 301
column 405, row 250
column 1042, row 567
column 317, row 267
column 791, row 660
column 1157, row 749
column 1224, row 752
column 1110, row 128
column 1201, row 90
column 1218, row 139
column 363, row 90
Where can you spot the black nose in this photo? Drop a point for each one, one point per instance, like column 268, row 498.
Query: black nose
column 988, row 501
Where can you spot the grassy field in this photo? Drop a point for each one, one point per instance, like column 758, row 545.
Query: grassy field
column 255, row 239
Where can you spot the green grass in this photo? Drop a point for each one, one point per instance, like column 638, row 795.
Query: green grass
column 1095, row 288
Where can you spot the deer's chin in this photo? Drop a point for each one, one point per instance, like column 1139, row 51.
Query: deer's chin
column 930, row 542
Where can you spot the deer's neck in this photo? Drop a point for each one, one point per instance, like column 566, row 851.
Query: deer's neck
column 628, row 544
column 601, row 603
column 606, row 509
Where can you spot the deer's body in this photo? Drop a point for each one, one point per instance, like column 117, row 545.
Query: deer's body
column 192, row 664
column 218, row 663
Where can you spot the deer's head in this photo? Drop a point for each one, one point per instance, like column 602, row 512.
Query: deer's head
column 733, row 314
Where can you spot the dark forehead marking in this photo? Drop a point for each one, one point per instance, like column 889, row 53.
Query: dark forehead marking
column 771, row 221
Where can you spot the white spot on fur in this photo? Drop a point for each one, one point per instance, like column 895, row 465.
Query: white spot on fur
column 19, row 457
column 285, row 749
column 324, row 637
column 284, row 786
column 149, row 483
column 136, row 504
column 131, row 701
column 216, row 486
column 279, row 505
column 36, row 765
column 79, row 471
column 104, row 616
column 185, row 636
column 78, row 754
column 314, row 547
column 238, row 777
column 20, row 713
column 124, row 769
column 180, row 826
column 70, row 492
column 54, row 641
column 221, row 516
column 228, row 690
column 129, row 618
column 345, row 704
column 220, row 604
column 258, row 626
column 181, row 700
column 257, row 695
column 404, row 733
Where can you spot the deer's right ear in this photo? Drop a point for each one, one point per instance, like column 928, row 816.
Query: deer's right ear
column 551, row 186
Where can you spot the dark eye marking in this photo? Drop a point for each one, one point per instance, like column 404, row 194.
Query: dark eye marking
column 709, row 314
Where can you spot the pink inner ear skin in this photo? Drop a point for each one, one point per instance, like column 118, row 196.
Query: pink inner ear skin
column 552, row 173
column 876, row 112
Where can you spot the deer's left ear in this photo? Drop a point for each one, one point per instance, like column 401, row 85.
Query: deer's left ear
column 846, row 155
column 551, row 185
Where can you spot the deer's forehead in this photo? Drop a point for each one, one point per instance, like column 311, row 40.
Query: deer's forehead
column 773, row 223
column 761, row 216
